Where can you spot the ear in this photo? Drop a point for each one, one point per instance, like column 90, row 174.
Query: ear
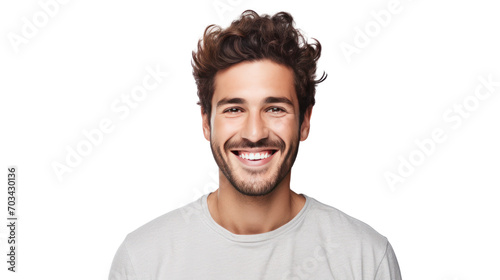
column 206, row 125
column 306, row 124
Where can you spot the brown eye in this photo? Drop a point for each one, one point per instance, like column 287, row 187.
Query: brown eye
column 232, row 110
column 276, row 110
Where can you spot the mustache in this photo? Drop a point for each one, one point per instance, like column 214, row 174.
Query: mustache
column 262, row 143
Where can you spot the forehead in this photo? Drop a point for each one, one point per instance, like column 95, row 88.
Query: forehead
column 255, row 80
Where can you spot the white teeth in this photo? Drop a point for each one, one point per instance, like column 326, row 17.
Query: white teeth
column 255, row 156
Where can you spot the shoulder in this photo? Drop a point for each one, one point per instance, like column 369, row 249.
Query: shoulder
column 165, row 228
column 144, row 248
column 344, row 228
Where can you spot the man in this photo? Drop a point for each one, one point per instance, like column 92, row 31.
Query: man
column 256, row 84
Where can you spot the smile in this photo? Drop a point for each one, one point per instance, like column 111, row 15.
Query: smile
column 255, row 158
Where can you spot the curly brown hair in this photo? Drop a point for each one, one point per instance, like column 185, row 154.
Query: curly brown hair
column 251, row 38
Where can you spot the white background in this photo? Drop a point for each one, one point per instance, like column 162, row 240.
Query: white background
column 442, row 220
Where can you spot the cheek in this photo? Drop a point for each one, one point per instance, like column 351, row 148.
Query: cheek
column 224, row 128
column 285, row 128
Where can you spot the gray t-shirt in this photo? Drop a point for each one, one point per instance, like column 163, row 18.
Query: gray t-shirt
column 320, row 242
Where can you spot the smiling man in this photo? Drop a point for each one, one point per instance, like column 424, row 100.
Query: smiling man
column 254, row 134
column 256, row 84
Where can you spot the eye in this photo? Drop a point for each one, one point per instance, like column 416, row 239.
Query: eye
column 232, row 110
column 276, row 110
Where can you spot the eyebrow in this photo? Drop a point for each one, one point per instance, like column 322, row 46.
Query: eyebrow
column 285, row 100
column 268, row 100
column 225, row 101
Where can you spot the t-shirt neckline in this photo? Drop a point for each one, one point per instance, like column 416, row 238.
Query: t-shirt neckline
column 245, row 238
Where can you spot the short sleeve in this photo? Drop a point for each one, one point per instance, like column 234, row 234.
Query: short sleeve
column 121, row 268
column 388, row 268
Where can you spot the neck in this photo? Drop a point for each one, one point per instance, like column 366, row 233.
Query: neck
column 242, row 214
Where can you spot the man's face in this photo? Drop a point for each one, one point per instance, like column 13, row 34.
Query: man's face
column 254, row 125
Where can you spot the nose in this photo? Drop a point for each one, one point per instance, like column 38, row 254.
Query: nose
column 255, row 127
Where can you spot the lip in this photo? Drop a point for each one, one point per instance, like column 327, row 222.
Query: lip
column 255, row 162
